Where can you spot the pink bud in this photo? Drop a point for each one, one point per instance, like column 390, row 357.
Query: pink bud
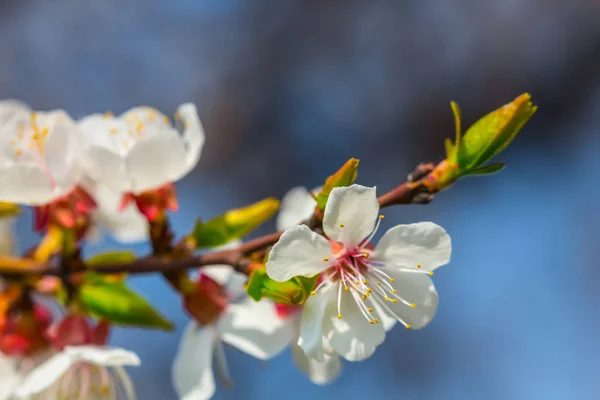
column 74, row 330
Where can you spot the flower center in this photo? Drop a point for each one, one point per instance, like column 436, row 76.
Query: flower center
column 84, row 380
column 370, row 287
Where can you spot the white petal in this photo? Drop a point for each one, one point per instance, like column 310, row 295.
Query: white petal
column 13, row 110
column 320, row 373
column 414, row 288
column 45, row 375
column 126, row 226
column 63, row 151
column 296, row 206
column 25, row 184
column 10, row 377
column 311, row 324
column 193, row 138
column 356, row 208
column 192, row 368
column 256, row 329
column 353, row 336
column 155, row 160
column 424, row 243
column 104, row 356
column 387, row 321
column 299, row 251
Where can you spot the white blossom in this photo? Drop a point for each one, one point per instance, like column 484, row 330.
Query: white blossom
column 140, row 150
column 252, row 327
column 41, row 155
column 361, row 288
column 86, row 372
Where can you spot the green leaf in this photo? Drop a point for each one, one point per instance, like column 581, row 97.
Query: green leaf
column 488, row 169
column 113, row 257
column 120, row 305
column 453, row 153
column 492, row 133
column 293, row 291
column 234, row 224
column 345, row 176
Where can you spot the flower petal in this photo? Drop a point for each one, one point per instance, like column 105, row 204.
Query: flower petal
column 193, row 138
column 425, row 244
column 25, row 184
column 10, row 377
column 104, row 356
column 299, row 251
column 296, row 206
column 352, row 336
column 350, row 214
column 256, row 329
column 155, row 160
column 192, row 368
column 414, row 288
column 320, row 373
column 45, row 375
column 311, row 323
column 11, row 111
column 126, row 226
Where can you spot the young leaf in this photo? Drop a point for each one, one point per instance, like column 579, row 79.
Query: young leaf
column 234, row 224
column 112, row 257
column 492, row 133
column 120, row 305
column 452, row 154
column 345, row 176
column 291, row 292
column 487, row 170
column 8, row 209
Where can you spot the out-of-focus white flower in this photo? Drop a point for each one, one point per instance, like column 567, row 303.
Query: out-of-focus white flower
column 230, row 317
column 361, row 287
column 42, row 155
column 296, row 207
column 126, row 225
column 10, row 376
column 140, row 150
column 86, row 372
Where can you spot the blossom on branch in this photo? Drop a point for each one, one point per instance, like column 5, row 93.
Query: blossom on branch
column 141, row 150
column 84, row 367
column 361, row 288
column 42, row 157
column 224, row 314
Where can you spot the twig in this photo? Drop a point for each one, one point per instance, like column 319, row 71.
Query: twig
column 410, row 192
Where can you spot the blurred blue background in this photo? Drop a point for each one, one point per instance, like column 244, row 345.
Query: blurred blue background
column 289, row 90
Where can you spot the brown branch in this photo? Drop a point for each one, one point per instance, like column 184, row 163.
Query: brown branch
column 410, row 192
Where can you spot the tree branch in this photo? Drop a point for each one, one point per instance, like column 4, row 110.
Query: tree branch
column 410, row 192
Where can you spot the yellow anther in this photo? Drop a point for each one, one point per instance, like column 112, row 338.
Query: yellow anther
column 166, row 119
column 346, row 288
column 178, row 115
column 108, row 114
column 418, row 265
column 430, row 273
column 113, row 131
column 378, row 283
column 387, row 298
column 365, row 255
column 364, row 296
column 394, row 300
column 413, row 305
column 13, row 142
column 125, row 144
column 407, row 326
column 392, row 280
column 105, row 389
column 45, row 132
column 394, row 291
column 339, row 316
column 370, row 309
column 381, row 217
column 342, row 225
column 19, row 153
column 313, row 292
column 365, row 281
column 369, row 290
column 186, row 125
column 139, row 126
column 357, row 283
column 377, row 320
column 152, row 115
column 326, row 259
column 372, row 322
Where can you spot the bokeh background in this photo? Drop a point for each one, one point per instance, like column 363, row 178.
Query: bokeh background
column 288, row 90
